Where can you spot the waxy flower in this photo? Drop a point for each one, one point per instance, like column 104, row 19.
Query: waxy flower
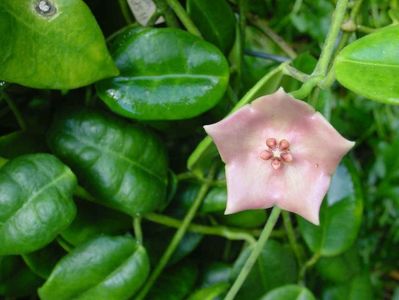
column 278, row 151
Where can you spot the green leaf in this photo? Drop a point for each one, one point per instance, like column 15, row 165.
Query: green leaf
column 203, row 154
column 341, row 268
column 245, row 219
column 93, row 220
column 16, row 280
column 369, row 66
column 215, row 20
column 175, row 283
column 42, row 262
column 210, row 293
column 122, row 165
column 275, row 266
column 357, row 288
column 166, row 74
column 340, row 215
column 35, row 202
column 105, row 268
column 289, row 292
column 59, row 49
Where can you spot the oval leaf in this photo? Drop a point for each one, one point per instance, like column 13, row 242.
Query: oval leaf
column 369, row 66
column 122, row 165
column 340, row 215
column 35, row 202
column 61, row 55
column 104, row 268
column 289, row 292
column 215, row 20
column 166, row 74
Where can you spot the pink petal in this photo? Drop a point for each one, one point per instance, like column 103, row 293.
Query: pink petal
column 298, row 186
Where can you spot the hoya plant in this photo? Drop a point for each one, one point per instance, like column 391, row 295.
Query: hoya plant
column 199, row 149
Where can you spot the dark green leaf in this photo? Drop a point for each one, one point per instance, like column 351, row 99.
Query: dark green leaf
column 55, row 46
column 16, row 280
column 340, row 215
column 369, row 66
column 122, row 165
column 275, row 266
column 215, row 20
column 175, row 283
column 20, row 142
column 289, row 292
column 210, row 293
column 105, row 268
column 35, row 202
column 166, row 74
column 357, row 288
column 93, row 220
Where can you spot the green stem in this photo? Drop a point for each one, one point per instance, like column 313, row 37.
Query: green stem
column 15, row 110
column 310, row 263
column 177, row 237
column 127, row 15
column 164, row 10
column 328, row 48
column 138, row 233
column 222, row 231
column 295, row 73
column 291, row 236
column 183, row 17
column 255, row 254
column 321, row 69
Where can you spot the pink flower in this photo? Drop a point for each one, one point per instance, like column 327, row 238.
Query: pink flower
column 278, row 151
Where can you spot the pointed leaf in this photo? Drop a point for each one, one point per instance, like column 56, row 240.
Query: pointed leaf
column 53, row 44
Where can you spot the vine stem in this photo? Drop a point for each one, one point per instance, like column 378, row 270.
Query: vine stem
column 177, row 237
column 127, row 15
column 326, row 55
column 310, row 263
column 291, row 236
column 138, row 232
column 223, row 231
column 267, row 230
column 183, row 17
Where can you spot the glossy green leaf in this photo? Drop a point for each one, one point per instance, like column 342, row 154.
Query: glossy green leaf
column 245, row 219
column 35, row 202
column 93, row 220
column 340, row 215
column 122, row 165
column 105, row 268
column 369, row 66
column 16, row 280
column 166, row 74
column 175, row 283
column 52, row 44
column 215, row 20
column 275, row 266
column 42, row 261
column 210, row 293
column 289, row 292
column 206, row 151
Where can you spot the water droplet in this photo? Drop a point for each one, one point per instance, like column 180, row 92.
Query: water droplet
column 45, row 8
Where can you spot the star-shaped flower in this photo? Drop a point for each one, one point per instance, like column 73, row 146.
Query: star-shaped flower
column 278, row 151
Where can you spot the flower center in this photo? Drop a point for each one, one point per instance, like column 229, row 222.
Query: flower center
column 278, row 153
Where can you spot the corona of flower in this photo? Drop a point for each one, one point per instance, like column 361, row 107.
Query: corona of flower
column 278, row 151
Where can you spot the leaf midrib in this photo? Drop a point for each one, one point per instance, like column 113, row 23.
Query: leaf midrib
column 376, row 64
column 35, row 195
column 122, row 157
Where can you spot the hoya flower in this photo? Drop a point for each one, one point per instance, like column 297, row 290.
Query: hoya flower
column 278, row 151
